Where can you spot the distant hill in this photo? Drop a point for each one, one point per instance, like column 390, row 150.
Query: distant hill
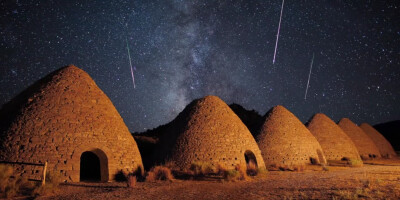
column 391, row 131
column 250, row 118
column 147, row 142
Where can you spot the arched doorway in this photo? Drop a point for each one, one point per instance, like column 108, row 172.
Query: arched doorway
column 94, row 166
column 251, row 163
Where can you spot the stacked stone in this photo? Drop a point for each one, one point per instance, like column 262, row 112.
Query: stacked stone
column 385, row 148
column 62, row 116
column 334, row 142
column 207, row 130
column 365, row 146
column 284, row 141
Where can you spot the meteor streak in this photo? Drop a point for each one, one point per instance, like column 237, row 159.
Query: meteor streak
column 277, row 35
column 309, row 75
column 130, row 63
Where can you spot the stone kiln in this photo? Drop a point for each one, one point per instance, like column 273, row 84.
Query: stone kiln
column 207, row 130
column 285, row 142
column 66, row 120
column 334, row 142
column 365, row 146
column 384, row 146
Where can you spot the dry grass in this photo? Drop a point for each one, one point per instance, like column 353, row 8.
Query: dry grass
column 355, row 163
column 242, row 172
column 5, row 175
column 296, row 168
column 344, row 194
column 159, row 173
column 53, row 181
column 370, row 189
column 231, row 175
column 131, row 181
column 221, row 169
column 10, row 186
column 202, row 168
column 237, row 174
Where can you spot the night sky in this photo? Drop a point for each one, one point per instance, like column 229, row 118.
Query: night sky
column 183, row 50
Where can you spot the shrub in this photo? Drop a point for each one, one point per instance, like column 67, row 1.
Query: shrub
column 5, row 175
column 53, row 180
column 231, row 175
column 355, row 163
column 159, row 173
column 237, row 174
column 242, row 171
column 221, row 169
column 201, row 168
column 11, row 186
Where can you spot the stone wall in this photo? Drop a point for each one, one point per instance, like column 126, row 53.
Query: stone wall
column 365, row 146
column 285, row 141
column 207, row 130
column 67, row 116
column 334, row 142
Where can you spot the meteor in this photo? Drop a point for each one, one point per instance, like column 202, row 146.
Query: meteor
column 130, row 63
column 277, row 35
column 309, row 76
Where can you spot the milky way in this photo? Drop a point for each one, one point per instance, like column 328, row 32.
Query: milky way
column 184, row 50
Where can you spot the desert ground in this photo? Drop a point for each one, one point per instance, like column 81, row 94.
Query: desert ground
column 379, row 179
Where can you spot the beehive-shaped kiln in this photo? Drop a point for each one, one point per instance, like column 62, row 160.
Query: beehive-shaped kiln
column 284, row 141
column 66, row 120
column 385, row 148
column 207, row 130
column 334, row 142
column 365, row 146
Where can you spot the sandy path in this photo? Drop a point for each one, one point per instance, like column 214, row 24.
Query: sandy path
column 370, row 181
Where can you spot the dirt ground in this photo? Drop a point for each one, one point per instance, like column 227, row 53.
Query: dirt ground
column 377, row 180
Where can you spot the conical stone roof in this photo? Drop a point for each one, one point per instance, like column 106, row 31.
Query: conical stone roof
column 365, row 146
column 384, row 146
column 207, row 130
column 62, row 116
column 285, row 141
column 334, row 142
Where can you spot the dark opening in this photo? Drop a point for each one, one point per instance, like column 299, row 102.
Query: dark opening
column 345, row 159
column 313, row 161
column 250, row 158
column 251, row 163
column 372, row 155
column 90, row 167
